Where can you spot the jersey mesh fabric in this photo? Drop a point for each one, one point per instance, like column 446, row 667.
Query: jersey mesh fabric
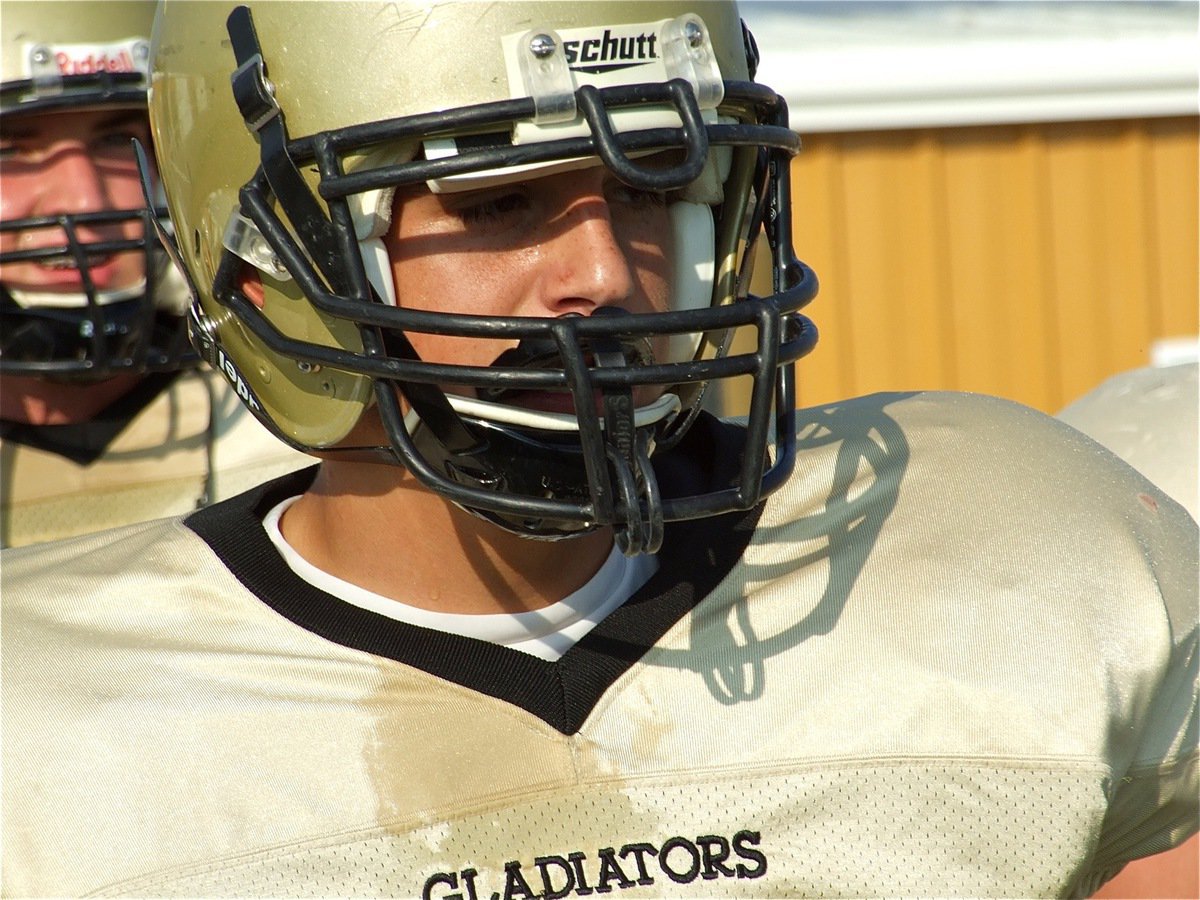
column 849, row 828
column 905, row 675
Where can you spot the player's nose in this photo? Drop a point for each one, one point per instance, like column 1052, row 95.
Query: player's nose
column 70, row 182
column 584, row 263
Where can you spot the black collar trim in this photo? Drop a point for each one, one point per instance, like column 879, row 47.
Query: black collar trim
column 696, row 555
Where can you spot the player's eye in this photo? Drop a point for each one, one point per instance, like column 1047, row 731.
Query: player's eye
column 492, row 208
column 628, row 196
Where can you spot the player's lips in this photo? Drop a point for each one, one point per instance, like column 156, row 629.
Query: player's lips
column 64, row 272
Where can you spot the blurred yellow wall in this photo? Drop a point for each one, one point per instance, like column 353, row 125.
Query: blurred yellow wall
column 1030, row 261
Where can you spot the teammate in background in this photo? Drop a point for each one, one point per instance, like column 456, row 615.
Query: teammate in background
column 1148, row 417
column 105, row 416
column 538, row 625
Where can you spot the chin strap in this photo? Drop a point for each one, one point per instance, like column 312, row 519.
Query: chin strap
column 628, row 452
column 255, row 98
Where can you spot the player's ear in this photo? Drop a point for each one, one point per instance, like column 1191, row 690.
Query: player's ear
column 250, row 283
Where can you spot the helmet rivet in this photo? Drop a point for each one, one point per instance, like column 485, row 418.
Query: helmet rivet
column 694, row 34
column 206, row 326
column 40, row 55
column 308, row 367
column 542, row 46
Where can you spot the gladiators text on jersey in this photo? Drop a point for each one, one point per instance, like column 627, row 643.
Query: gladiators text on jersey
column 636, row 865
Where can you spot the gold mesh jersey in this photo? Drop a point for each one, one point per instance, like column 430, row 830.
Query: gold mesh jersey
column 955, row 655
column 195, row 438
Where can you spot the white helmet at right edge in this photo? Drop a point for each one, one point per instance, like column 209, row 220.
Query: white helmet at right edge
column 286, row 132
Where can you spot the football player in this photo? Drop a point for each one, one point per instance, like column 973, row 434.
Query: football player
column 1148, row 417
column 539, row 625
column 105, row 417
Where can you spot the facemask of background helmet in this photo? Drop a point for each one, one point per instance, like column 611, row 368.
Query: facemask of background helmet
column 58, row 59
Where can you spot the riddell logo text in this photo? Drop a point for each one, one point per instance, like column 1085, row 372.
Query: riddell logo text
column 94, row 63
column 610, row 52
column 640, row 865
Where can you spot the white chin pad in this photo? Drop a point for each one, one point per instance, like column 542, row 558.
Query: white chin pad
column 693, row 248
column 50, row 300
column 665, row 408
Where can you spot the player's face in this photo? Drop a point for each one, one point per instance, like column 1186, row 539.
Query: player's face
column 63, row 163
column 563, row 244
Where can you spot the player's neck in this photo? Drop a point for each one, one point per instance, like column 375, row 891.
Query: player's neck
column 377, row 528
column 36, row 401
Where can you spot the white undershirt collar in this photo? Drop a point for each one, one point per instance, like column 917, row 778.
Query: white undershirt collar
column 546, row 633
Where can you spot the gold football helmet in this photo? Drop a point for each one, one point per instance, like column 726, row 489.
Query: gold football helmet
column 283, row 131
